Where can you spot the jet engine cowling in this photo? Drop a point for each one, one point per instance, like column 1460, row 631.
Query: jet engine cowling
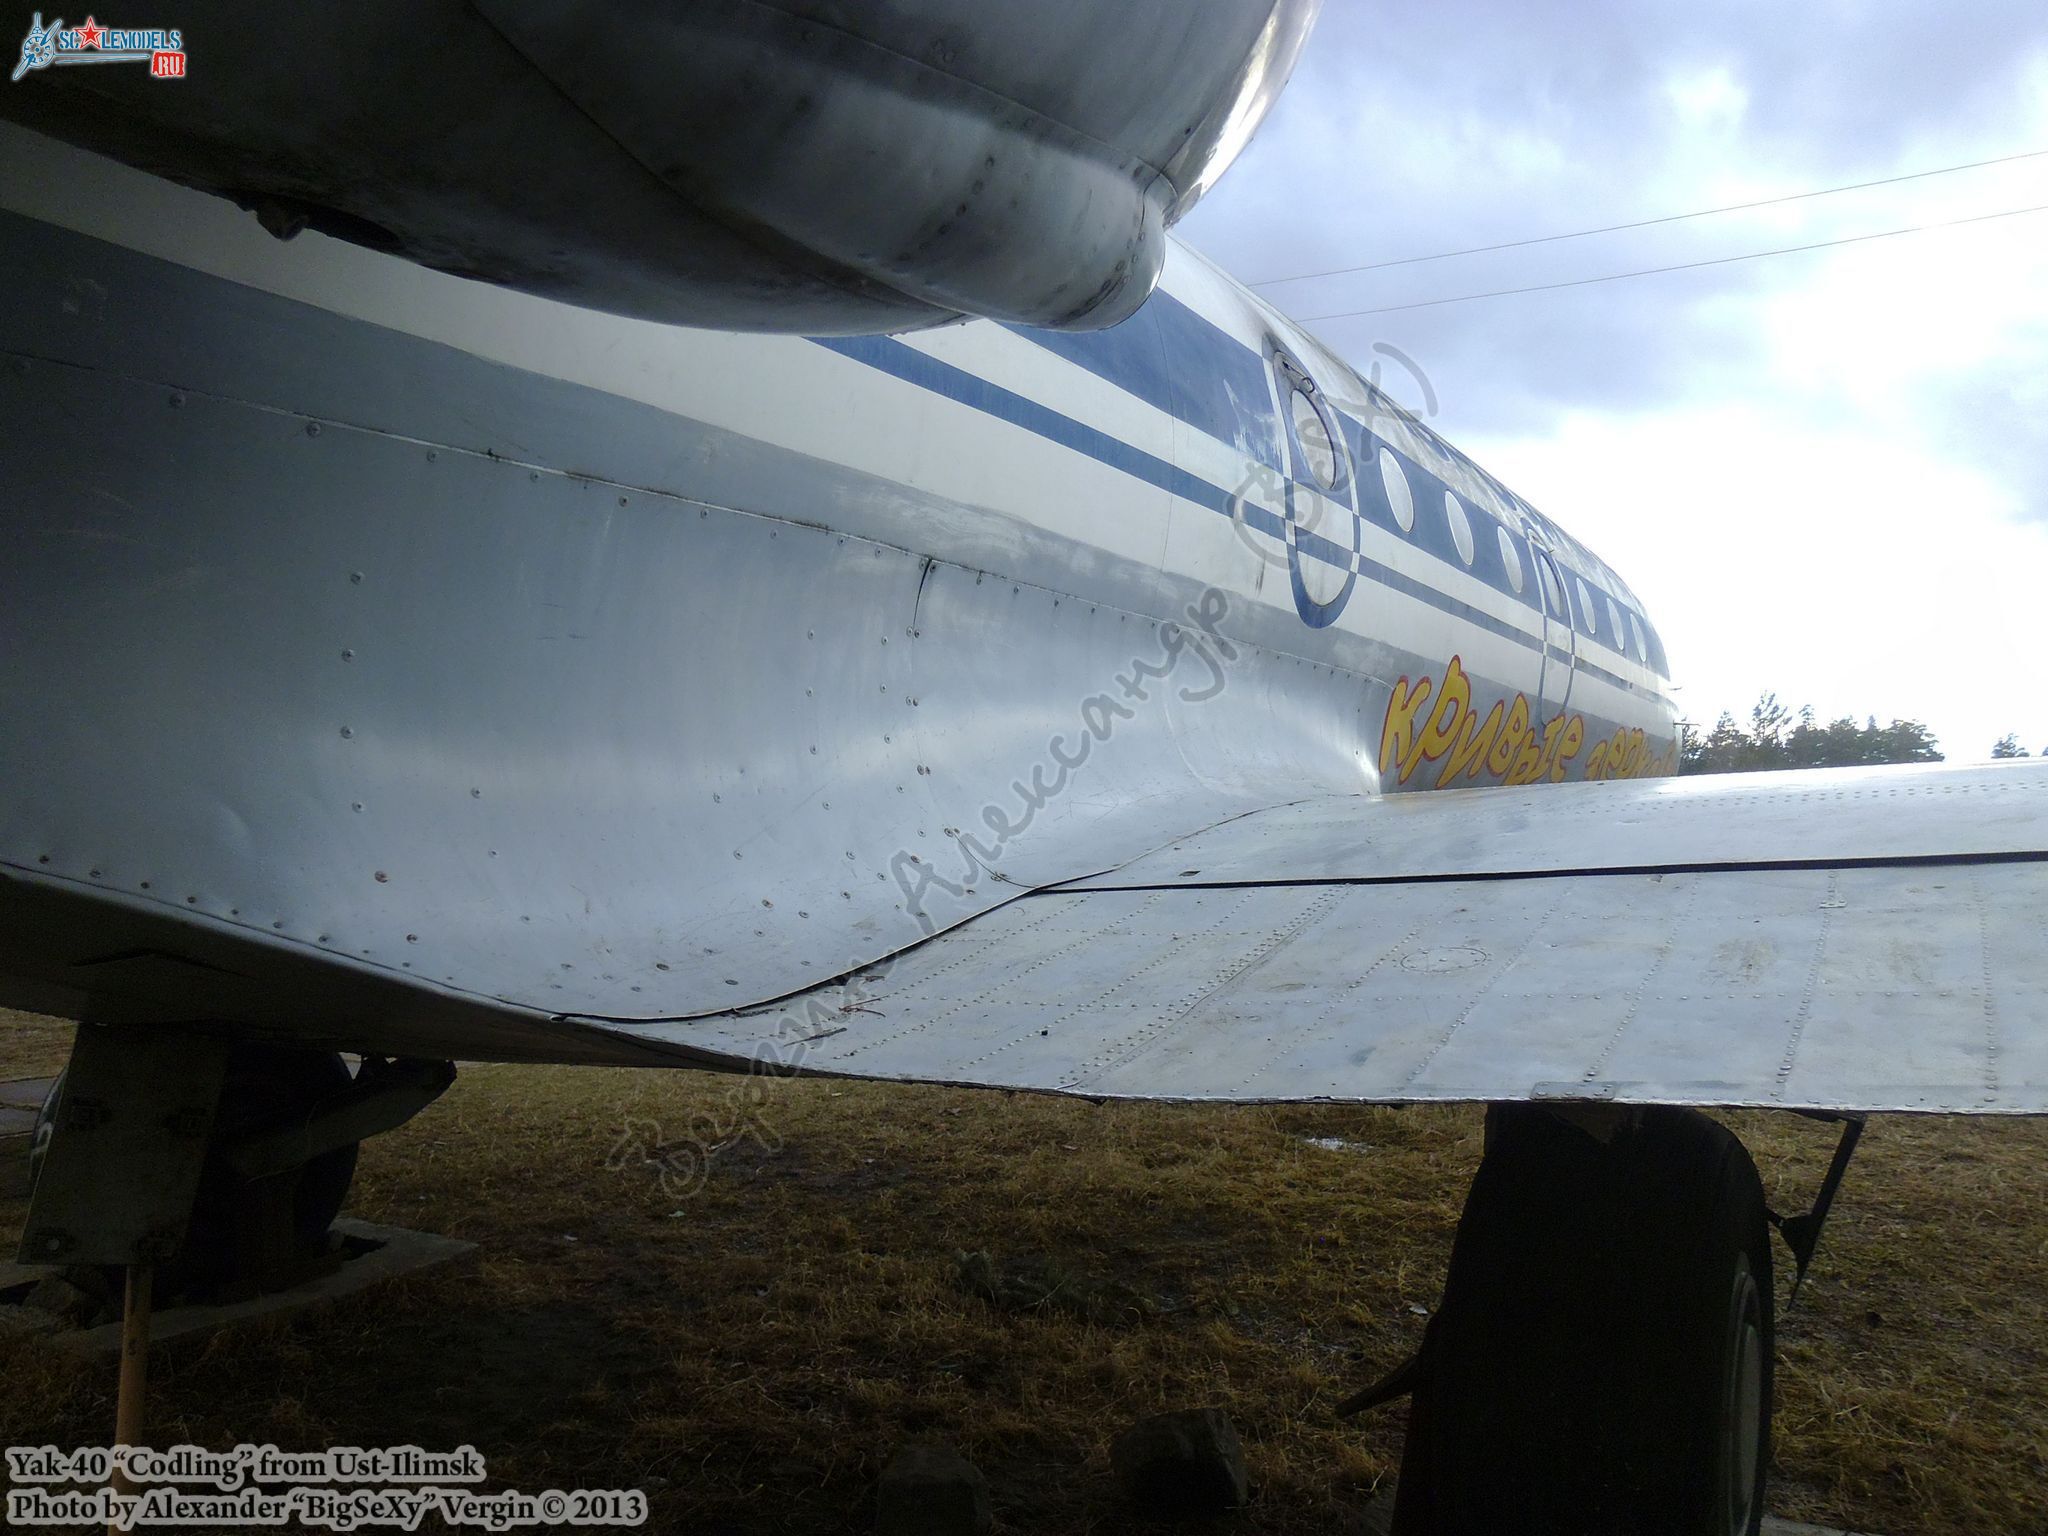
column 814, row 166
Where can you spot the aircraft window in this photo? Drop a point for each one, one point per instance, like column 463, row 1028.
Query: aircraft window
column 1553, row 594
column 1642, row 645
column 1313, row 434
column 1588, row 615
column 1399, row 498
column 1461, row 526
column 1511, row 557
column 1614, row 618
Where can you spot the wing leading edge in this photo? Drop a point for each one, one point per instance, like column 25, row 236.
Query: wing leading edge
column 1862, row 939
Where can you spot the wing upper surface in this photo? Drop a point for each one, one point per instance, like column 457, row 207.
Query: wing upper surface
column 1868, row 939
column 1834, row 817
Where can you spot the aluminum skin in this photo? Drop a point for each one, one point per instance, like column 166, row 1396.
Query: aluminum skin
column 406, row 663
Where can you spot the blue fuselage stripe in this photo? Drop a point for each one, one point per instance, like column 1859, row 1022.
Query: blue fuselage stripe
column 888, row 355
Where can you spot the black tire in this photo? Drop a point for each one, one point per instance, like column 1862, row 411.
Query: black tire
column 265, row 1088
column 1601, row 1361
column 268, row 1086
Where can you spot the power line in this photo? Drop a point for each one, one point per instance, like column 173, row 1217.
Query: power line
column 1683, row 266
column 1669, row 218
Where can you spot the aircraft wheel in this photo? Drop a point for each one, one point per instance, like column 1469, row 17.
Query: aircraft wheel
column 1601, row 1362
column 244, row 1232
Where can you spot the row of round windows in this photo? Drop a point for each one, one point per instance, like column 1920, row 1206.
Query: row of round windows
column 1318, row 442
column 1623, row 628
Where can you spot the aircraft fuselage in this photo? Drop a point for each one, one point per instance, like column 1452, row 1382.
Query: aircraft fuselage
column 401, row 660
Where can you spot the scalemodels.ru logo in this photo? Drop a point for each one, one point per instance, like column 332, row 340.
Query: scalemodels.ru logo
column 162, row 49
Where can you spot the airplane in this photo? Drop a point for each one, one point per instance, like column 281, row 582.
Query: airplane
column 750, row 546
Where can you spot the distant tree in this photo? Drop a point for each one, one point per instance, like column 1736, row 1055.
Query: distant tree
column 1905, row 741
column 1767, row 723
column 2008, row 745
column 1727, row 748
column 1690, row 745
column 1780, row 738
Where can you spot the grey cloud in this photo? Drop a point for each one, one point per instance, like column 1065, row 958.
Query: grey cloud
column 1993, row 421
column 1405, row 132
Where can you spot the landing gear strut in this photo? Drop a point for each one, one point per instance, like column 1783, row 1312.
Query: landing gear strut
column 221, row 1166
column 169, row 1164
column 1601, row 1362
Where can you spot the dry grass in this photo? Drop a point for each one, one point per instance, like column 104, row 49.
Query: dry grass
column 752, row 1352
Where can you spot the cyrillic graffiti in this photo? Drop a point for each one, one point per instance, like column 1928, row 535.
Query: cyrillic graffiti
column 1437, row 723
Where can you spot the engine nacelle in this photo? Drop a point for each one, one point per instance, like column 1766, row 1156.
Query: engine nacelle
column 816, row 166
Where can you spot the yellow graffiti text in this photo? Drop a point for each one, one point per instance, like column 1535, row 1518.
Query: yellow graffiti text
column 1438, row 723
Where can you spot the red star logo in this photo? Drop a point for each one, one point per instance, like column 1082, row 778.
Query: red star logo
column 90, row 33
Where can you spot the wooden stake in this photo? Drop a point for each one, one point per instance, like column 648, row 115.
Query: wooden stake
column 128, row 1405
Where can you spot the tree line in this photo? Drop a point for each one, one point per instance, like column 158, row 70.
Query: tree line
column 1778, row 737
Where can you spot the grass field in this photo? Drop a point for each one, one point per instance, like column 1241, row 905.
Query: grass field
column 750, row 1351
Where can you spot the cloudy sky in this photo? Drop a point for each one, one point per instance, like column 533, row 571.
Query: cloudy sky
column 1824, row 474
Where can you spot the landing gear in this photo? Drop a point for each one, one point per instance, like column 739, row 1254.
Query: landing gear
column 242, row 1234
column 221, row 1165
column 248, row 1233
column 171, row 1164
column 1601, row 1362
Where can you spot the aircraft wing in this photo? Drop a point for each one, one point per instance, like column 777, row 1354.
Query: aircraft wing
column 1858, row 939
